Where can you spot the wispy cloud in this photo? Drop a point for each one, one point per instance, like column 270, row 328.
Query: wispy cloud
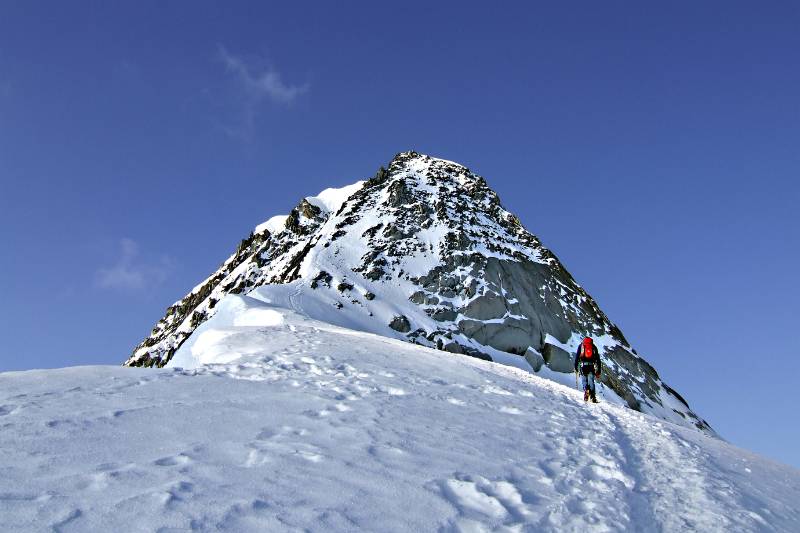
column 264, row 84
column 259, row 85
column 131, row 271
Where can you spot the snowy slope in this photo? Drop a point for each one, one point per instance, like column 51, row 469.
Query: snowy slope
column 278, row 422
column 424, row 252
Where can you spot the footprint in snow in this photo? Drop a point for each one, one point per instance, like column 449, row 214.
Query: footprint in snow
column 597, row 472
column 309, row 456
column 268, row 433
column 24, row 497
column 174, row 494
column 68, row 520
column 478, row 498
column 491, row 389
column 249, row 516
column 173, row 460
column 312, row 413
column 256, row 457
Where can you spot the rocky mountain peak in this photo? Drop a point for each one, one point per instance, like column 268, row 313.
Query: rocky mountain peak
column 423, row 251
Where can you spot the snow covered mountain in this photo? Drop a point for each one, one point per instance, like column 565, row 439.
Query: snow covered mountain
column 278, row 422
column 423, row 252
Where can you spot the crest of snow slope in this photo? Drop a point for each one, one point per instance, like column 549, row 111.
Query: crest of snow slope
column 424, row 252
column 298, row 425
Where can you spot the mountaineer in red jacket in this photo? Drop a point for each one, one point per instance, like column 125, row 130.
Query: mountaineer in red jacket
column 587, row 362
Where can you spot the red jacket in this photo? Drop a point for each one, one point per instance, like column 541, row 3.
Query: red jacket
column 594, row 361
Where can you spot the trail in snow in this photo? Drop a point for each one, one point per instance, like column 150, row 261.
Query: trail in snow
column 311, row 427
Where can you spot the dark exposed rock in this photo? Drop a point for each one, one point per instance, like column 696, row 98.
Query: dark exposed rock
column 349, row 221
column 453, row 347
column 418, row 297
column 293, row 222
column 344, row 286
column 557, row 359
column 509, row 336
column 394, row 233
column 399, row 194
column 337, row 234
column 198, row 318
column 472, row 352
column 458, row 241
column 309, row 210
column 534, row 358
column 401, row 324
column 444, row 315
column 304, row 209
column 371, row 232
column 375, row 273
column 487, row 306
column 380, row 177
column 292, row 270
column 323, row 278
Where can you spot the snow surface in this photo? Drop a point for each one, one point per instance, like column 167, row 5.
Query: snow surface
column 330, row 200
column 275, row 224
column 279, row 422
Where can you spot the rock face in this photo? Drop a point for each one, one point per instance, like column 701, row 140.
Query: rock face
column 558, row 359
column 424, row 251
column 534, row 359
column 401, row 324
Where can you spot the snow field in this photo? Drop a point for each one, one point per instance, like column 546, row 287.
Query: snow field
column 299, row 425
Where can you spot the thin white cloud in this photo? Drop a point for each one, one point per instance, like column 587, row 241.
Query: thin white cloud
column 131, row 271
column 258, row 84
column 265, row 84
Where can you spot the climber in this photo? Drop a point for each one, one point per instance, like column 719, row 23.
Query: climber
column 587, row 362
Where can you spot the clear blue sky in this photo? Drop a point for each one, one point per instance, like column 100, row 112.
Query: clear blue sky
column 654, row 147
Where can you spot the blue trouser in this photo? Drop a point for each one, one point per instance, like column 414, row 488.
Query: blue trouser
column 588, row 381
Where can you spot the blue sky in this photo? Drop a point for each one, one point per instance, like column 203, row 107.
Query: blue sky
column 654, row 148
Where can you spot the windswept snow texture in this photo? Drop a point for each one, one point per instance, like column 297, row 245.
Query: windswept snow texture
column 424, row 252
column 282, row 423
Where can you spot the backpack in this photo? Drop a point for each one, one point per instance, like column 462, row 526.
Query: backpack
column 588, row 349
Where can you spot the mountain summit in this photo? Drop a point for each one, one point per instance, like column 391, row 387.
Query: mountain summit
column 424, row 252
